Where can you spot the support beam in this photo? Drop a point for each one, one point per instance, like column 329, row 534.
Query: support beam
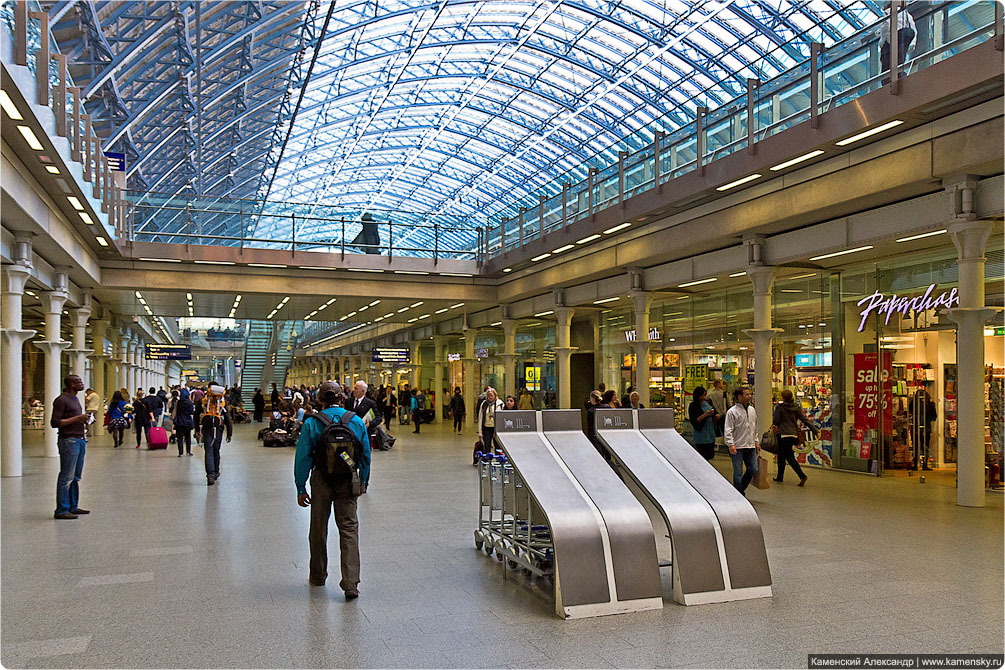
column 15, row 277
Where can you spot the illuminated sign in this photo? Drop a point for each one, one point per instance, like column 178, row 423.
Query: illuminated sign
column 116, row 161
column 880, row 304
column 390, row 355
column 532, row 375
column 168, row 352
column 453, row 357
column 654, row 334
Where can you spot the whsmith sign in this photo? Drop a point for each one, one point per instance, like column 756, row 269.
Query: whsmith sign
column 881, row 304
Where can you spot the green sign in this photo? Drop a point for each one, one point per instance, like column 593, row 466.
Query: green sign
column 695, row 376
column 999, row 331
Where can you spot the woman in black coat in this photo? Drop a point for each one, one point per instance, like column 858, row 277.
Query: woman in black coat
column 258, row 401
column 184, row 422
column 141, row 419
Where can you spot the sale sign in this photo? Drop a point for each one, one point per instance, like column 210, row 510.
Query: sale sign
column 868, row 379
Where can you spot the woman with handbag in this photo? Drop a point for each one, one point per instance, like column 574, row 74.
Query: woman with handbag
column 785, row 419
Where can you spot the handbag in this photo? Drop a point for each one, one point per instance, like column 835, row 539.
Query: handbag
column 761, row 478
column 769, row 442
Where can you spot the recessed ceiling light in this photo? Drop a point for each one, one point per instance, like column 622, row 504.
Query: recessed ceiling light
column 456, row 274
column 841, row 253
column 617, row 228
column 8, row 106
column 102, row 241
column 410, row 272
column 602, row 301
column 460, row 304
column 794, row 161
column 918, row 237
column 809, row 274
column 314, row 267
column 507, row 269
column 550, row 311
column 86, row 218
column 188, row 296
column 744, row 180
column 441, row 311
column 30, row 138
column 424, row 316
column 52, row 169
column 413, row 319
column 265, row 265
column 403, row 309
column 162, row 260
column 497, row 323
column 362, row 270
column 74, row 203
column 564, row 247
column 738, row 274
column 588, row 239
column 375, row 302
column 540, row 257
column 869, row 133
column 790, row 290
column 215, row 262
column 696, row 282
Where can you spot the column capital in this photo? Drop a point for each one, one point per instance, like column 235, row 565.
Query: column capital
column 79, row 316
column 970, row 238
column 971, row 316
column 762, row 334
column 641, row 300
column 564, row 314
column 53, row 301
column 52, row 348
column 15, row 278
column 16, row 338
column 762, row 277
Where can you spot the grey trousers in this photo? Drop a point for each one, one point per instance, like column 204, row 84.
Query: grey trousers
column 322, row 500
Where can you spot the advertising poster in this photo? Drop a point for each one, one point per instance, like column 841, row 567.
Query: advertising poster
column 867, row 383
column 532, row 375
column 695, row 376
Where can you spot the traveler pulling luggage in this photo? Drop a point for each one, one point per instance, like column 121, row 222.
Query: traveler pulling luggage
column 158, row 437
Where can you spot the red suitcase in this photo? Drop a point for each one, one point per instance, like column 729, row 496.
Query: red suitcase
column 158, row 438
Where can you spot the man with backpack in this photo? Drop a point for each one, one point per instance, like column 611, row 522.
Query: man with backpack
column 334, row 451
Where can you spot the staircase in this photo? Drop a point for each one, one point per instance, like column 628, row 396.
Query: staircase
column 257, row 352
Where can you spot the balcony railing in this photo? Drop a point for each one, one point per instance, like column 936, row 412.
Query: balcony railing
column 829, row 79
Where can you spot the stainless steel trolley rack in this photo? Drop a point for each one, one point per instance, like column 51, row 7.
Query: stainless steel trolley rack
column 510, row 524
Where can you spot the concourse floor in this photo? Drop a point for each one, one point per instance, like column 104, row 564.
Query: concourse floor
column 167, row 572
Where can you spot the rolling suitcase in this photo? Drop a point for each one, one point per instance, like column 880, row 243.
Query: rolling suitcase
column 158, row 438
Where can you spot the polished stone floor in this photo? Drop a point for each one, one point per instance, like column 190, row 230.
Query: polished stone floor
column 167, row 572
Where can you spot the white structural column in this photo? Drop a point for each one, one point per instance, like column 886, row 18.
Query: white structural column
column 416, row 376
column 509, row 357
column 439, row 360
column 970, row 238
column 132, row 373
column 78, row 354
column 762, row 278
column 125, row 364
column 99, row 328
column 471, row 385
column 641, row 300
column 563, row 355
column 52, row 346
column 15, row 277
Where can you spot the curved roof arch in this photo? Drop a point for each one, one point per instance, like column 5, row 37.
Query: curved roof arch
column 438, row 108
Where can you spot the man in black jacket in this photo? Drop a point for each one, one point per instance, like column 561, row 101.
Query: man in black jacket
column 365, row 408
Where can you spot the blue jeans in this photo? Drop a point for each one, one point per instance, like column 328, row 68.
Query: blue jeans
column 71, row 466
column 741, row 479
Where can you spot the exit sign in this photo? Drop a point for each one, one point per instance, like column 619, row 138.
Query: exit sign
column 999, row 331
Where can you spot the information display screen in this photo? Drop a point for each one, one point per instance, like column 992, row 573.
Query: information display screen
column 168, row 352
column 390, row 354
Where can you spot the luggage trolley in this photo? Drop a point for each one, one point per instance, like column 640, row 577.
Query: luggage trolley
column 509, row 521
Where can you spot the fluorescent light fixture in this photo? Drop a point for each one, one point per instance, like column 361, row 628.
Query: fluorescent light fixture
column 424, row 316
column 989, row 332
column 52, row 169
column 507, row 269
column 456, row 274
column 738, row 274
column 410, row 272
column 188, row 296
column 161, row 260
column 30, row 138
column 314, row 267
column 86, row 218
column 822, row 323
column 460, row 304
column 403, row 309
column 8, row 106
column 379, row 318
column 413, row 319
column 215, row 262
column 841, row 253
column 375, row 302
column 362, row 270
column 869, row 133
column 808, row 274
column 350, row 315
column 440, row 311
column 330, row 301
column 364, row 308
column 918, row 237
column 102, row 241
column 743, row 180
column 698, row 281
column 589, row 238
column 389, row 315
column 541, row 257
column 799, row 159
column 265, row 265
column 497, row 323
column 550, row 311
column 617, row 228
column 603, row 300
column 416, row 304
column 564, row 247
column 74, row 203
column 790, row 290
column 137, row 294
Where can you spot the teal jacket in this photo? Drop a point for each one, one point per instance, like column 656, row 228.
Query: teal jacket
column 310, row 431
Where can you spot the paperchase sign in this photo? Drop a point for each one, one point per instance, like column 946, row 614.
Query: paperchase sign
column 879, row 304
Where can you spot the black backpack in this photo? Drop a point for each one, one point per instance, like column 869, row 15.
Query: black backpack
column 335, row 452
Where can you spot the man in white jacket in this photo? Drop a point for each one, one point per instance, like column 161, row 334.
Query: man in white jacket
column 742, row 439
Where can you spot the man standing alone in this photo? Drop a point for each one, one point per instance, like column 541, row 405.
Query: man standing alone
column 324, row 495
column 742, row 439
column 71, row 422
